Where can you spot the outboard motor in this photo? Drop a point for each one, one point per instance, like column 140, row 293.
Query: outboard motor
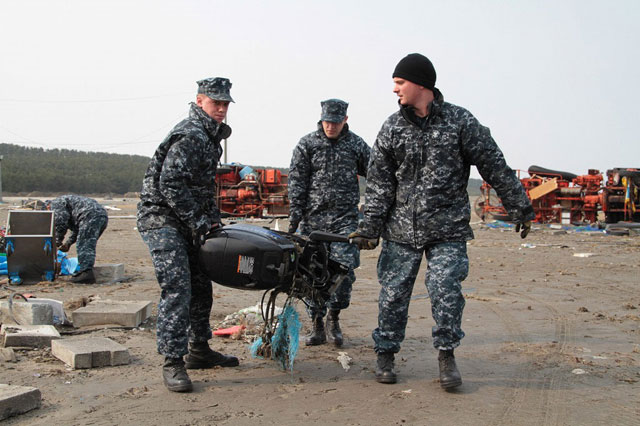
column 249, row 257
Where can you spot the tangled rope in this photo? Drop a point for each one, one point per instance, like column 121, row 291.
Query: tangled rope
column 280, row 335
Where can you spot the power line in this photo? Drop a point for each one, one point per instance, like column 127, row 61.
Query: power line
column 78, row 101
column 136, row 141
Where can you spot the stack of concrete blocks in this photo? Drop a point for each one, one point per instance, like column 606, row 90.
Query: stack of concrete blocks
column 16, row 400
column 90, row 353
column 124, row 313
column 101, row 352
column 32, row 336
column 77, row 353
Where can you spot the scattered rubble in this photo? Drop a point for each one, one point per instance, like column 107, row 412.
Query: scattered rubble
column 34, row 336
column 125, row 313
column 90, row 352
column 16, row 400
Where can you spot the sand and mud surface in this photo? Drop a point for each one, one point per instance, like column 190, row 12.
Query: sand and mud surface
column 552, row 339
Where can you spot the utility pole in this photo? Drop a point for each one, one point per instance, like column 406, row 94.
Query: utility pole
column 224, row 150
column 1, row 157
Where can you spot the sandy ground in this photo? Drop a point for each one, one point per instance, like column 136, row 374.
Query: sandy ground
column 536, row 317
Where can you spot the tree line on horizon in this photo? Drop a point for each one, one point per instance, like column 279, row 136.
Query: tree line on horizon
column 29, row 169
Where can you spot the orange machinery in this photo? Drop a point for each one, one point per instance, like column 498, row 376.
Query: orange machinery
column 562, row 197
column 244, row 191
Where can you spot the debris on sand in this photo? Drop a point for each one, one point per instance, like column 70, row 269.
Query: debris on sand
column 344, row 360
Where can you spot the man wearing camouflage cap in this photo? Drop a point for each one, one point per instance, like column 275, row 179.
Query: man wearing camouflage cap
column 324, row 195
column 177, row 209
column 416, row 199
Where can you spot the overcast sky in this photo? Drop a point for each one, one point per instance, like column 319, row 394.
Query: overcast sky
column 555, row 81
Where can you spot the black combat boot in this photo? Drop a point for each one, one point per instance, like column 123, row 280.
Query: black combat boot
column 202, row 356
column 84, row 277
column 449, row 374
column 175, row 376
column 317, row 335
column 334, row 334
column 384, row 368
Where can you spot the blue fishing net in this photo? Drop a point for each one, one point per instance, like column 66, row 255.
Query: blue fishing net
column 255, row 347
column 284, row 343
column 283, row 346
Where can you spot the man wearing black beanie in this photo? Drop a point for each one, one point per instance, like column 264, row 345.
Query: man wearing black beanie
column 416, row 200
column 418, row 69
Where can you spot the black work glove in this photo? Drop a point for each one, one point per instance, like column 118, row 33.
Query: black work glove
column 64, row 247
column 293, row 227
column 224, row 131
column 525, row 226
column 200, row 234
column 363, row 243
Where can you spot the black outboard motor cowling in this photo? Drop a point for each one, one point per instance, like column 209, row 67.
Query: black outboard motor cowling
column 249, row 257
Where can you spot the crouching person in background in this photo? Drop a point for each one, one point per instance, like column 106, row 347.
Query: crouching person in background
column 86, row 219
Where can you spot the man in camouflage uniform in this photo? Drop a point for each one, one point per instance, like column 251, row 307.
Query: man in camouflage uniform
column 87, row 220
column 324, row 195
column 417, row 200
column 177, row 209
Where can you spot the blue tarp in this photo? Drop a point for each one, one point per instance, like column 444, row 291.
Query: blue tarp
column 498, row 224
column 68, row 265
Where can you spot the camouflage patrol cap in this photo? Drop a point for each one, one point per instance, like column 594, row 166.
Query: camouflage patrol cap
column 217, row 88
column 333, row 110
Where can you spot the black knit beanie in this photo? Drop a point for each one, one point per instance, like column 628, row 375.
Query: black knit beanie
column 417, row 69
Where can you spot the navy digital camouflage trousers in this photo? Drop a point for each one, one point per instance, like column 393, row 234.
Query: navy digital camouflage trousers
column 88, row 233
column 447, row 267
column 187, row 294
column 346, row 254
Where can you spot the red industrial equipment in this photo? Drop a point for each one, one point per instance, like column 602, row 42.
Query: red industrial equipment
column 243, row 191
column 561, row 197
column 621, row 195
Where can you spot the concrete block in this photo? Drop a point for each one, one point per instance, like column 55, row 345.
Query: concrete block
column 109, row 273
column 125, row 313
column 90, row 353
column 16, row 400
column 26, row 313
column 38, row 336
column 7, row 355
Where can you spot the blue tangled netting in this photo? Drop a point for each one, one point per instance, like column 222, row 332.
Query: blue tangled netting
column 284, row 343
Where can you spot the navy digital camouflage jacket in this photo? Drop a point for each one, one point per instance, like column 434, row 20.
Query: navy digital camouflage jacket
column 323, row 179
column 417, row 182
column 179, row 185
column 69, row 211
